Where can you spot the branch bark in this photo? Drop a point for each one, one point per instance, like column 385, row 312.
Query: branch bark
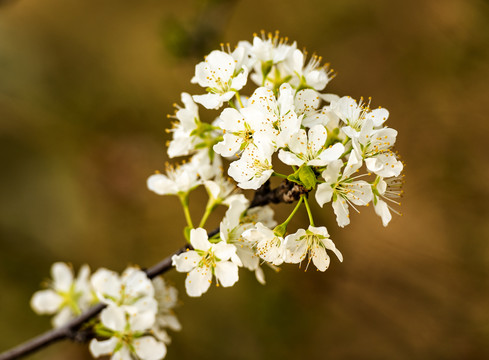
column 286, row 192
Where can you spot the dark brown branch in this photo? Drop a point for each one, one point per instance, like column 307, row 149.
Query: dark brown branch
column 286, row 192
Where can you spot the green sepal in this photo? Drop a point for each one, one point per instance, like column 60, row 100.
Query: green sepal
column 118, row 347
column 280, row 230
column 307, row 177
column 294, row 177
column 266, row 67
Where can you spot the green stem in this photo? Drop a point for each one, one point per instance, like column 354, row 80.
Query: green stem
column 286, row 222
column 186, row 211
column 239, row 99
column 279, row 175
column 281, row 229
column 211, row 205
column 308, row 208
column 231, row 104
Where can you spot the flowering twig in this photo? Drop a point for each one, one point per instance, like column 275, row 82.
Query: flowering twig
column 72, row 329
column 326, row 140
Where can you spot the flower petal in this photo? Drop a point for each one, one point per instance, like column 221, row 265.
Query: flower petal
column 113, row 317
column 46, row 302
column 199, row 239
column 198, row 281
column 148, row 348
column 186, row 261
column 226, row 273
column 62, row 276
column 105, row 347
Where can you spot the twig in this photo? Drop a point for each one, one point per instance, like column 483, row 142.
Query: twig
column 286, row 192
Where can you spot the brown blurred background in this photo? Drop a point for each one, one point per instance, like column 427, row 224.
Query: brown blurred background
column 84, row 90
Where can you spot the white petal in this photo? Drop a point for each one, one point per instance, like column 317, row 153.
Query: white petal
column 384, row 165
column 317, row 138
column 382, row 210
column 289, row 158
column 62, row 276
column 142, row 321
column 296, row 247
column 199, row 239
column 113, row 317
column 122, row 354
column 213, row 188
column 340, row 208
column 137, row 284
column 260, row 276
column 46, row 302
column 186, row 261
column 198, row 281
column 209, row 101
column 320, row 230
column 332, row 172
column 226, row 273
column 161, row 185
column 298, row 143
column 147, row 348
column 146, row 303
column 319, row 257
column 378, row 116
column 105, row 347
column 106, row 282
column 224, row 251
column 240, row 80
column 323, row 194
column 230, row 145
column 359, row 192
column 331, row 154
column 329, row 244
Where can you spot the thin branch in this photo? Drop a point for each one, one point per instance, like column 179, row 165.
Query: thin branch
column 70, row 330
column 286, row 192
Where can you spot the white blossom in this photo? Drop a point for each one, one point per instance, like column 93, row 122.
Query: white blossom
column 311, row 75
column 239, row 130
column 231, row 229
column 219, row 74
column 375, row 147
column 279, row 113
column 206, row 165
column 270, row 52
column 178, row 180
column 313, row 243
column 255, row 165
column 204, row 261
column 129, row 337
column 310, row 149
column 269, row 246
column 133, row 290
column 183, row 142
column 66, row 297
column 355, row 114
column 343, row 191
column 387, row 192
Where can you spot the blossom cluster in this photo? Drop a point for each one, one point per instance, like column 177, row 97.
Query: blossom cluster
column 138, row 311
column 275, row 121
column 273, row 114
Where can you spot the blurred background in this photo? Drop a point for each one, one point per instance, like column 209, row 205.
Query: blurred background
column 84, row 92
